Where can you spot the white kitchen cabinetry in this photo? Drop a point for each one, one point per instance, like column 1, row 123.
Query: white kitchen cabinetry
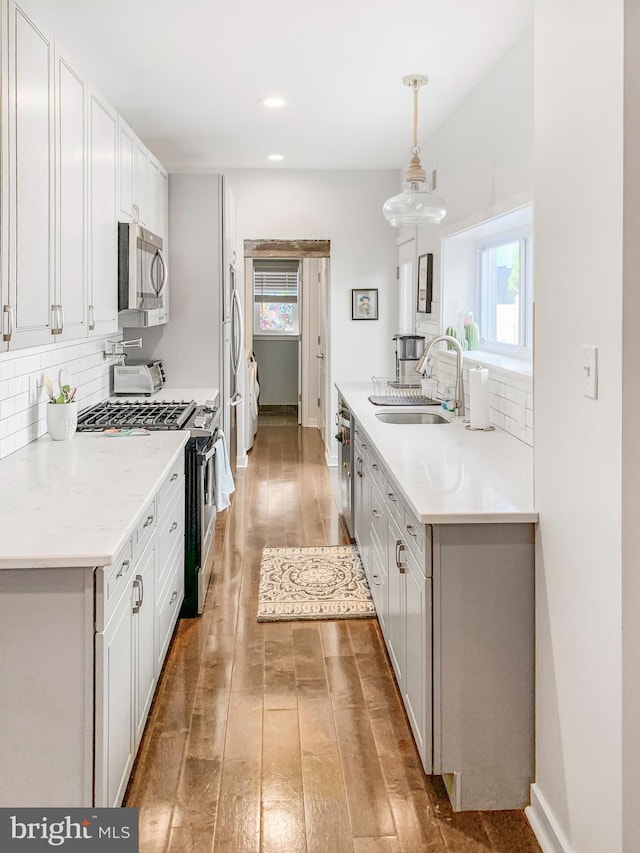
column 140, row 630
column 103, row 242
column 30, row 315
column 71, row 201
column 47, row 178
column 133, row 161
column 455, row 605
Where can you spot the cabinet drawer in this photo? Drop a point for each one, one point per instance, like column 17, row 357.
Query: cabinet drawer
column 393, row 501
column 169, row 606
column 145, row 528
column 378, row 584
column 170, row 533
column 377, row 471
column 111, row 582
column 378, row 521
column 414, row 531
column 174, row 482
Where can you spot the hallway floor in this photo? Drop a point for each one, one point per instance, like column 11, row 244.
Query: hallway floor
column 289, row 737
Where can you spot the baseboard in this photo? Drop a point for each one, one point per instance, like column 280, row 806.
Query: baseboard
column 332, row 461
column 544, row 825
column 242, row 461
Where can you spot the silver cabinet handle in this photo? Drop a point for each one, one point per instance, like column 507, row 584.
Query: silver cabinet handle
column 148, row 521
column 376, row 580
column 320, row 356
column 92, row 318
column 135, row 214
column 400, row 547
column 61, row 315
column 374, row 466
column 173, row 527
column 138, row 582
column 123, row 568
column 175, row 477
column 174, row 595
column 392, row 497
column 411, row 530
column 8, row 310
column 55, row 320
column 365, row 447
column 359, row 466
column 376, row 513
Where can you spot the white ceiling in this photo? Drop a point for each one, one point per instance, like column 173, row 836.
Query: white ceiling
column 187, row 74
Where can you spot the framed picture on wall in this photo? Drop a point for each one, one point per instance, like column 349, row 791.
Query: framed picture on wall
column 425, row 283
column 364, row 304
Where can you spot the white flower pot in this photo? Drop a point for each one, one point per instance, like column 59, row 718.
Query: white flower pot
column 62, row 420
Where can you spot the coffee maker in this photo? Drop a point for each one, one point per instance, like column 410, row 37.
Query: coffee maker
column 409, row 351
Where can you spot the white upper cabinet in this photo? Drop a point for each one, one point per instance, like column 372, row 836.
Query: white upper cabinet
column 126, row 145
column 71, row 200
column 103, row 229
column 31, row 182
column 5, row 314
column 153, row 195
column 140, row 161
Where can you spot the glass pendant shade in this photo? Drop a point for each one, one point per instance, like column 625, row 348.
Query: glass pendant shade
column 415, row 205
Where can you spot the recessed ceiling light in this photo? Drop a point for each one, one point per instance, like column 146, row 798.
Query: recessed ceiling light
column 272, row 103
column 275, row 157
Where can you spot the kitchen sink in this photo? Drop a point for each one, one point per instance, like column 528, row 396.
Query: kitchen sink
column 411, row 418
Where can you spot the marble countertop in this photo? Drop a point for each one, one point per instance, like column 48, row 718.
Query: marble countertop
column 449, row 474
column 73, row 503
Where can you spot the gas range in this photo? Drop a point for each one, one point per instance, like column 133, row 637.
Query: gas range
column 200, row 420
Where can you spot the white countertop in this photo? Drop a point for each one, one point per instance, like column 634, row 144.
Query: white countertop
column 449, row 474
column 169, row 394
column 72, row 503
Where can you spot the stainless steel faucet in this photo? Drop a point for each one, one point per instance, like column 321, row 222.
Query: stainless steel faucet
column 422, row 366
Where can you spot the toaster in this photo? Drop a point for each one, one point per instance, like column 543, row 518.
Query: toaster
column 138, row 378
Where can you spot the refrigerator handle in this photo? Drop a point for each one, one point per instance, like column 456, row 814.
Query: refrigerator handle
column 237, row 331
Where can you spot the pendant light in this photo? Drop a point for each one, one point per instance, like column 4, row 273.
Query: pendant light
column 416, row 204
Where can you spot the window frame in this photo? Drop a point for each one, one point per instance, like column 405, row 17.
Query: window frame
column 297, row 302
column 524, row 347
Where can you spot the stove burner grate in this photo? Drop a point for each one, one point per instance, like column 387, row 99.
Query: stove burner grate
column 153, row 416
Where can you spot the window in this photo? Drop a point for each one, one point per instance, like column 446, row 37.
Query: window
column 504, row 296
column 276, row 297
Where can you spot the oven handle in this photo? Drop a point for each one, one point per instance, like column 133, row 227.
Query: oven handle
column 207, row 456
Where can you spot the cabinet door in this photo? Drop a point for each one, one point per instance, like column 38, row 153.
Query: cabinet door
column 71, row 202
column 416, row 691
column 126, row 143
column 31, row 180
column 153, row 194
column 103, row 260
column 396, row 569
column 144, row 638
column 5, row 319
column 139, row 182
column 114, row 706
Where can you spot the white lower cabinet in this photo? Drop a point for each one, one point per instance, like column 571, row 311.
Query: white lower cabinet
column 134, row 625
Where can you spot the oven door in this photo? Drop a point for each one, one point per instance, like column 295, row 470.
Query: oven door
column 206, row 500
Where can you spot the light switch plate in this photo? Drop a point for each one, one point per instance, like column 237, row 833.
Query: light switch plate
column 590, row 371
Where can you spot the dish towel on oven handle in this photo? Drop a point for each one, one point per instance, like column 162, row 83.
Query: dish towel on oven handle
column 224, row 485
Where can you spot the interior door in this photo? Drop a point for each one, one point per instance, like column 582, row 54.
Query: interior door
column 321, row 354
column 407, row 286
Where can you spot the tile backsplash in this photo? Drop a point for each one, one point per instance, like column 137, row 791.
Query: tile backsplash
column 510, row 393
column 23, row 399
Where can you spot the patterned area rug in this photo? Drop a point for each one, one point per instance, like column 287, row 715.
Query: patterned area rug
column 313, row 583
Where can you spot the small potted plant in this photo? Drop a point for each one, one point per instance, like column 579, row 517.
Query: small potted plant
column 62, row 410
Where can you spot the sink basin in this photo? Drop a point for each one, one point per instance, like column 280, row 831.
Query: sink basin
column 411, row 418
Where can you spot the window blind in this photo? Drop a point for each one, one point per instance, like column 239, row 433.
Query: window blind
column 276, row 281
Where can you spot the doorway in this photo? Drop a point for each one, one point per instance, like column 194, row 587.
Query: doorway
column 286, row 326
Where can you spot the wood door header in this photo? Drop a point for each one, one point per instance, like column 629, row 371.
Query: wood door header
column 286, row 248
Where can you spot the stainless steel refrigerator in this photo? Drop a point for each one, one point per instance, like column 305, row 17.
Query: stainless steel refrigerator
column 232, row 337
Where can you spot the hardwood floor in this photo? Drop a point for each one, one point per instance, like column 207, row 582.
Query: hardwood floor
column 289, row 737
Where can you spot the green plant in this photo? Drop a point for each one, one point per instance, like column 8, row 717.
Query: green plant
column 452, row 332
column 472, row 334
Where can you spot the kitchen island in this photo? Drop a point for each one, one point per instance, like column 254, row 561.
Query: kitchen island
column 444, row 522
column 91, row 582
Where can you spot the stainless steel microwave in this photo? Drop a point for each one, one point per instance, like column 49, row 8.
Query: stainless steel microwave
column 143, row 277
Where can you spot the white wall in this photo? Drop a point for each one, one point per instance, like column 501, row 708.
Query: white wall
column 484, row 157
column 577, row 796
column 277, row 371
column 345, row 208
